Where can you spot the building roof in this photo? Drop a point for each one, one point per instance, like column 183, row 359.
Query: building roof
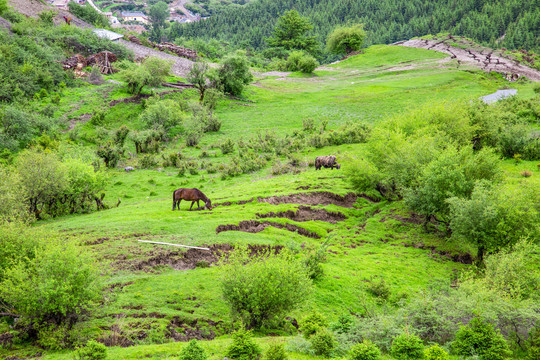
column 102, row 33
column 132, row 13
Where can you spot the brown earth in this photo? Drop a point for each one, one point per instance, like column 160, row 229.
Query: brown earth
column 254, row 226
column 459, row 258
column 185, row 330
column 306, row 213
column 186, row 260
column 477, row 56
column 313, row 198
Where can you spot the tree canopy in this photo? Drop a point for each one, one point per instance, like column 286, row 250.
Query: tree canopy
column 290, row 33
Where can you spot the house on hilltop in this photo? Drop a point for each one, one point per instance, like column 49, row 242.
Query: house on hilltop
column 134, row 16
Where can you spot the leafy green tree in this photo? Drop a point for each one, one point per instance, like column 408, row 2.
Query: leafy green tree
column 152, row 72
column 200, row 76
column 480, row 338
column 495, row 217
column 158, row 13
column 263, row 287
column 290, row 33
column 43, row 176
column 346, row 39
column 234, row 73
column 13, row 196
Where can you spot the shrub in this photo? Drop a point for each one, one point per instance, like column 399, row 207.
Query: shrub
column 234, row 73
column 249, row 285
column 365, row 350
column 152, row 72
column 380, row 289
column 344, row 40
column 92, row 351
column 193, row 351
column 161, row 115
column 480, row 338
column 110, row 154
column 227, row 146
column 312, row 324
column 307, row 64
column 57, row 284
column 276, row 352
column 323, row 342
column 147, row 161
column 13, row 197
column 243, row 347
column 120, row 135
column 314, row 263
column 407, row 347
column 300, row 61
column 194, row 132
column 435, row 352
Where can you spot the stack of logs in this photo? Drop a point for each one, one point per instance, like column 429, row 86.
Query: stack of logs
column 102, row 60
column 175, row 49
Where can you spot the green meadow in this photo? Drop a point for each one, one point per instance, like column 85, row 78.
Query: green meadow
column 146, row 296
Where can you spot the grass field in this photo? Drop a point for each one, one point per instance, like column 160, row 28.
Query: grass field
column 146, row 292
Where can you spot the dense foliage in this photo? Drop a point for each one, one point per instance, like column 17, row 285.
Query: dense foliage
column 250, row 286
column 385, row 21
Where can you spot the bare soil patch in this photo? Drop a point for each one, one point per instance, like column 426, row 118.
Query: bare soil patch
column 185, row 330
column 471, row 54
column 187, row 260
column 313, row 198
column 229, row 203
column 464, row 258
column 254, row 226
column 306, row 213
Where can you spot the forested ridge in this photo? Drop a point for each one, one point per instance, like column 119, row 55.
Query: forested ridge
column 510, row 23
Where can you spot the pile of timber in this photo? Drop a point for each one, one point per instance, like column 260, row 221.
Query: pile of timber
column 178, row 85
column 175, row 49
column 178, row 50
column 102, row 60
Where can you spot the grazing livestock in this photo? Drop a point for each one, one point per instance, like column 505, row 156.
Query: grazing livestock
column 129, row 168
column 190, row 195
column 326, row 161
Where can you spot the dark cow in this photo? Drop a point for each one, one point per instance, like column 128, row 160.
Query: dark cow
column 326, row 161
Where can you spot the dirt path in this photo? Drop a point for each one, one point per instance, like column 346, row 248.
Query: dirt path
column 483, row 58
column 180, row 66
column 32, row 8
column 179, row 5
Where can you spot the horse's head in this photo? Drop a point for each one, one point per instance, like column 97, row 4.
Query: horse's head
column 208, row 205
column 338, row 166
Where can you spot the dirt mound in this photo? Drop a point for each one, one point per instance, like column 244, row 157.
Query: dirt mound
column 190, row 259
column 254, row 226
column 460, row 258
column 229, row 203
column 185, row 330
column 472, row 54
column 313, row 198
column 306, row 213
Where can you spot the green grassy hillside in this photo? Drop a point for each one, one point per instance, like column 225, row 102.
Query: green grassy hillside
column 155, row 291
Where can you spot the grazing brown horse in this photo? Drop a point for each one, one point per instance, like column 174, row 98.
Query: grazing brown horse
column 190, row 195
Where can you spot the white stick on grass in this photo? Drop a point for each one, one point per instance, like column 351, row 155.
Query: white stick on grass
column 186, row 246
